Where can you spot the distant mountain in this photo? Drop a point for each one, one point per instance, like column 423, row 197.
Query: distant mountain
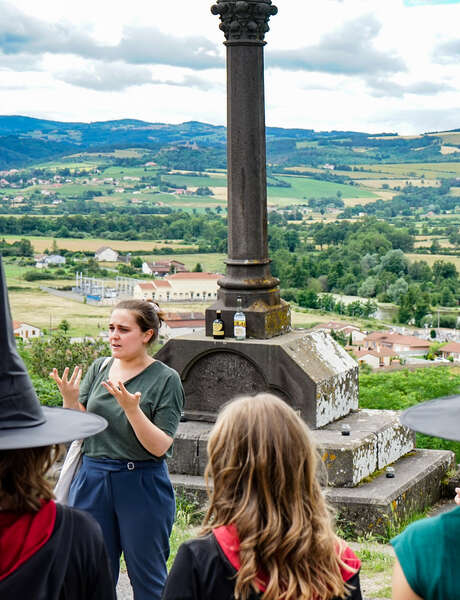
column 25, row 140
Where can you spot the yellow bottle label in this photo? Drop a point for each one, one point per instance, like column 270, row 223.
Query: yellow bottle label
column 217, row 329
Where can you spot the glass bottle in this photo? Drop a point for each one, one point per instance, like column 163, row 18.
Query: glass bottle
column 218, row 329
column 239, row 321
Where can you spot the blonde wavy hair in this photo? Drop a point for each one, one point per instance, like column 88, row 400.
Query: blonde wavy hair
column 263, row 463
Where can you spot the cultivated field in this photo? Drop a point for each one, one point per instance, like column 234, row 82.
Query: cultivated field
column 431, row 258
column 40, row 244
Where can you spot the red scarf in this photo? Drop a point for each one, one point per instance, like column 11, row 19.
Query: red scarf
column 21, row 535
column 227, row 538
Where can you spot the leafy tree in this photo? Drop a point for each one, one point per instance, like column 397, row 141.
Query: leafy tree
column 397, row 289
column 395, row 262
column 308, row 298
column 136, row 262
column 368, row 288
column 198, row 268
column 64, row 325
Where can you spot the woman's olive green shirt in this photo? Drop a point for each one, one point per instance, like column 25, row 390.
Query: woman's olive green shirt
column 162, row 400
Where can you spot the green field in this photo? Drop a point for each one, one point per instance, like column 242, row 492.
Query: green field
column 303, row 188
column 429, row 170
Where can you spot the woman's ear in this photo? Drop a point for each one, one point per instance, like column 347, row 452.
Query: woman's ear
column 148, row 335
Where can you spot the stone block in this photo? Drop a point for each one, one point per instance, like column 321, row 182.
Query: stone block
column 376, row 439
column 189, row 452
column 382, row 505
column 308, row 370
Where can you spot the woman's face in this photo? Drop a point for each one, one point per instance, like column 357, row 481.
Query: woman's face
column 126, row 338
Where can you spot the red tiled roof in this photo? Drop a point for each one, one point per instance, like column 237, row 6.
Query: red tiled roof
column 18, row 324
column 180, row 316
column 451, row 347
column 146, row 286
column 396, row 338
column 377, row 335
column 160, row 283
column 175, row 324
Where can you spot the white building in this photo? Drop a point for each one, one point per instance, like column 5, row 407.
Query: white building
column 25, row 331
column 193, row 286
column 46, row 260
column 180, row 287
column 106, row 254
column 158, row 290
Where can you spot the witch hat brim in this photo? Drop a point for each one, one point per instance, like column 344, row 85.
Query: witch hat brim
column 24, row 423
column 61, row 425
column 439, row 417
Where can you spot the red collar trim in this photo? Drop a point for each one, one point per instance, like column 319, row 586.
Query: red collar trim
column 22, row 535
column 228, row 540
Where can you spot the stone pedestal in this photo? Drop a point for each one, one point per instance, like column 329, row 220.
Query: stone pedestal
column 310, row 371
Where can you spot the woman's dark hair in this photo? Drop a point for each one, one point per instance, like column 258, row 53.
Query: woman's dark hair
column 147, row 313
column 23, row 477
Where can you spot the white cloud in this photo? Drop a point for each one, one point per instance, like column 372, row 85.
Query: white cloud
column 330, row 64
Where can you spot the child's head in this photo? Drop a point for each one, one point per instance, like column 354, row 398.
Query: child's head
column 260, row 451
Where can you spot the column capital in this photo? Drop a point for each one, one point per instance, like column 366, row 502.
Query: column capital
column 244, row 21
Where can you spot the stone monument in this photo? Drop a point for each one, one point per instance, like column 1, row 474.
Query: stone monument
column 309, row 370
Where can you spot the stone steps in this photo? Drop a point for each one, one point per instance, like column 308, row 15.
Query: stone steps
column 376, row 439
column 377, row 506
column 384, row 503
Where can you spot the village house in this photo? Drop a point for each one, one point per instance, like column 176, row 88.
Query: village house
column 374, row 358
column 182, row 323
column 452, row 349
column 158, row 290
column 106, row 254
column 161, row 268
column 47, row 260
column 401, row 345
column 25, row 331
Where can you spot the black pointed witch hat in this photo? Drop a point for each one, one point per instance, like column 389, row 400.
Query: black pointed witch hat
column 439, row 417
column 24, row 423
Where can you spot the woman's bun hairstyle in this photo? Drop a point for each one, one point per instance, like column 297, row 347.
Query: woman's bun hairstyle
column 147, row 313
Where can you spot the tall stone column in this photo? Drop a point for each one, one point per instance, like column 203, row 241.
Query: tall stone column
column 248, row 275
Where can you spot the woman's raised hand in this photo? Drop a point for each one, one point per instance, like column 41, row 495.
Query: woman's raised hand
column 128, row 402
column 69, row 388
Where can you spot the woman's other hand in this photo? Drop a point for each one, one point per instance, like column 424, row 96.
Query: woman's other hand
column 128, row 402
column 69, row 388
column 149, row 435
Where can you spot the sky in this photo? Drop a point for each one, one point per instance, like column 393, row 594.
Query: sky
column 361, row 65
